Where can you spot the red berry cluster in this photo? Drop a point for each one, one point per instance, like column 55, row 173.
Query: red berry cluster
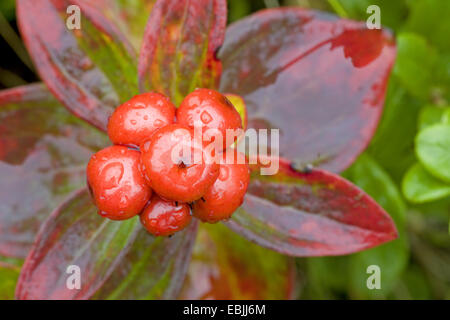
column 142, row 173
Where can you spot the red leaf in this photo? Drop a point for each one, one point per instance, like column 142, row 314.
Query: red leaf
column 225, row 266
column 154, row 268
column 43, row 154
column 74, row 234
column 180, row 41
column 319, row 79
column 90, row 70
column 310, row 214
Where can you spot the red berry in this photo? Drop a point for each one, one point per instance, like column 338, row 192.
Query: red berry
column 173, row 174
column 137, row 119
column 211, row 110
column 164, row 218
column 227, row 193
column 116, row 184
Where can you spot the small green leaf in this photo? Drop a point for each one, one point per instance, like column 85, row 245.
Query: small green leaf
column 433, row 150
column 394, row 151
column 419, row 186
column 416, row 62
column 429, row 116
column 445, row 119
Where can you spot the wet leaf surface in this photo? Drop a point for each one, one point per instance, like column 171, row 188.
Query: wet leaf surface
column 314, row 213
column 74, row 235
column 154, row 268
column 318, row 79
column 91, row 70
column 43, row 154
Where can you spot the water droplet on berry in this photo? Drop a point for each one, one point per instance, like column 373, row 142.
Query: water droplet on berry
column 139, row 105
column 112, row 174
column 205, row 117
column 224, row 173
column 123, row 201
column 158, row 123
column 146, row 147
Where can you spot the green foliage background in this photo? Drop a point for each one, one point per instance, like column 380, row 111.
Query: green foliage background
column 405, row 169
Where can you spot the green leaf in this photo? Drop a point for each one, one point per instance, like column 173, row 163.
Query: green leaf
column 416, row 62
column 430, row 115
column 394, row 151
column 433, row 150
column 430, row 19
column 392, row 257
column 419, row 186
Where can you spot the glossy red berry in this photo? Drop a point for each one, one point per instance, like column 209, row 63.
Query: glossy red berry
column 227, row 193
column 116, row 184
column 137, row 119
column 211, row 110
column 173, row 173
column 164, row 218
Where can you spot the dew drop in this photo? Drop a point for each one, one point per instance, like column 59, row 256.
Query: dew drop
column 158, row 123
column 224, row 173
column 205, row 117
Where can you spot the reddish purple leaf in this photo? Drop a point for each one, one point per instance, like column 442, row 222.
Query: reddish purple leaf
column 119, row 255
column 74, row 234
column 154, row 268
column 43, row 154
column 319, row 79
column 180, row 41
column 91, row 70
column 310, row 214
column 225, row 266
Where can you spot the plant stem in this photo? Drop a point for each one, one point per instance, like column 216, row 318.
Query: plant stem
column 338, row 8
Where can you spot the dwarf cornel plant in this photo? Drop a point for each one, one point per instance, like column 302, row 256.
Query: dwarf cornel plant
column 320, row 79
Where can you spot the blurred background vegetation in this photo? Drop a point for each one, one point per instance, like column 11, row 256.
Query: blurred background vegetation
column 399, row 170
